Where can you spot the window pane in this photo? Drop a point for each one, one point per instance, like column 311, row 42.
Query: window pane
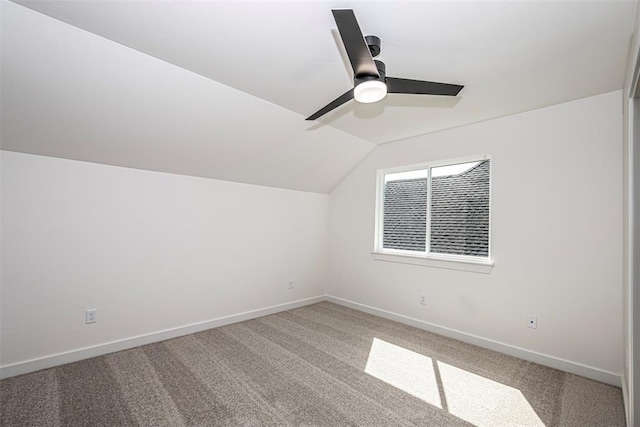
column 460, row 209
column 405, row 212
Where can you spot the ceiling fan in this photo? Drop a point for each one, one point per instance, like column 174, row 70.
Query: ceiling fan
column 370, row 83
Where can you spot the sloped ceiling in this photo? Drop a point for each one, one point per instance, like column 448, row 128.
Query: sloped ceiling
column 220, row 89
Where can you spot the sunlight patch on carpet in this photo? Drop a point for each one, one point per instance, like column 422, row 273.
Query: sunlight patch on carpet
column 404, row 369
column 470, row 397
column 484, row 402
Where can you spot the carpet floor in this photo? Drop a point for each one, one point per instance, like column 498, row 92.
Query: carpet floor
column 322, row 364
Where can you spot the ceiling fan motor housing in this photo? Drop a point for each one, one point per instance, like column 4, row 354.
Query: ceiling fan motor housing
column 371, row 88
column 374, row 45
column 382, row 70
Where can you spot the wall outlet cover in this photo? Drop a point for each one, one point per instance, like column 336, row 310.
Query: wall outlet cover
column 91, row 316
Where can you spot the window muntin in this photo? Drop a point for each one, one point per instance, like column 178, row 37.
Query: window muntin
column 440, row 210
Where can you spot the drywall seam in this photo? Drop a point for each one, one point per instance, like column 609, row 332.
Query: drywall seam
column 522, row 353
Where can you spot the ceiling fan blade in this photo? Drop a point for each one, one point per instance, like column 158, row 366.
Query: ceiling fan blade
column 420, row 87
column 353, row 40
column 332, row 105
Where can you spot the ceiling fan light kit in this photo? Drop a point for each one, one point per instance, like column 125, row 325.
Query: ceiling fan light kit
column 370, row 91
column 370, row 81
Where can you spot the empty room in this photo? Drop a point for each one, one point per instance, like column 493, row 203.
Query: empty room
column 327, row 213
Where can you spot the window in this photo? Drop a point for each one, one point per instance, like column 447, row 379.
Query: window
column 436, row 211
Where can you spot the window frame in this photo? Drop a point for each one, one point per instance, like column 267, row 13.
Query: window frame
column 427, row 258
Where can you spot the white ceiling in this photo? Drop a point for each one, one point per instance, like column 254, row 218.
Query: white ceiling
column 269, row 64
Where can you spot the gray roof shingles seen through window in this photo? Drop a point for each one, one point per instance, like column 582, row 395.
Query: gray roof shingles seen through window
column 460, row 213
column 405, row 214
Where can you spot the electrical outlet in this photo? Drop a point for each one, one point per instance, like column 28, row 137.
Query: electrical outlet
column 91, row 315
column 291, row 284
column 533, row 321
column 423, row 300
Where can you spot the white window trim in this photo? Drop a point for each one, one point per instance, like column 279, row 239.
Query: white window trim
column 449, row 261
column 458, row 263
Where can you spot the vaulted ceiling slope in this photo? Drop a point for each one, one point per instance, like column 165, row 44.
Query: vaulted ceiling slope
column 248, row 72
column 71, row 94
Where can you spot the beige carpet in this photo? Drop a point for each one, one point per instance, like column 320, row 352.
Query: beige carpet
column 318, row 365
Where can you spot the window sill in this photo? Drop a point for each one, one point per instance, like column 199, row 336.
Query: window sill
column 476, row 266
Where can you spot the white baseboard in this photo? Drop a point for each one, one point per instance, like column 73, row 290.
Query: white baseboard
column 32, row 365
column 522, row 353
